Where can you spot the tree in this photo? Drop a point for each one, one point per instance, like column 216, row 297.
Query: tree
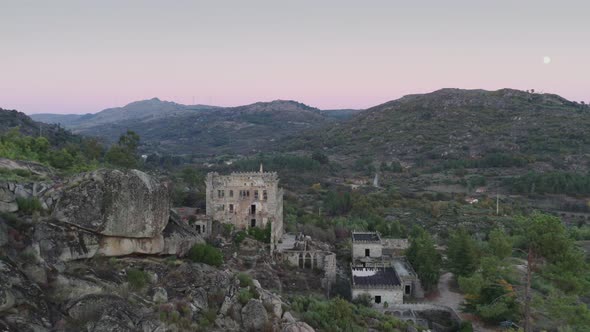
column 191, row 177
column 499, row 244
column 320, row 157
column 130, row 141
column 124, row 154
column 424, row 258
column 462, row 254
column 551, row 251
column 120, row 156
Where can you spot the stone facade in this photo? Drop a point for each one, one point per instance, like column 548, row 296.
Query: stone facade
column 366, row 244
column 379, row 269
column 251, row 199
column 382, row 283
column 389, row 295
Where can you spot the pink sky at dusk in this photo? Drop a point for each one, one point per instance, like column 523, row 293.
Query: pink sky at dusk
column 72, row 57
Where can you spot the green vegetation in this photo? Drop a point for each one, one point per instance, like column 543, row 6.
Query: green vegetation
column 124, row 153
column 76, row 156
column 555, row 279
column 137, row 279
column 260, row 234
column 462, row 253
column 205, row 253
column 28, row 205
column 488, row 161
column 278, row 162
column 71, row 157
column 340, row 315
column 551, row 183
column 424, row 258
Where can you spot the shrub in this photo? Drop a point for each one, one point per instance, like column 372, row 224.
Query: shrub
column 28, row 205
column 260, row 234
column 138, row 279
column 205, row 253
column 245, row 280
column 239, row 237
column 244, row 296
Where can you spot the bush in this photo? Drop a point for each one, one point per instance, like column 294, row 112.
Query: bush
column 260, row 234
column 205, row 253
column 245, row 280
column 138, row 279
column 244, row 296
column 239, row 237
column 28, row 205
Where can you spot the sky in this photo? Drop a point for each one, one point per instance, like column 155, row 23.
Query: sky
column 84, row 56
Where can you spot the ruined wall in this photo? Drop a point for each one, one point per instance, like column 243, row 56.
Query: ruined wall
column 323, row 260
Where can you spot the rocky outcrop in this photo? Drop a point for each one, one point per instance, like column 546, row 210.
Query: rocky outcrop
column 115, row 203
column 16, row 291
column 55, row 242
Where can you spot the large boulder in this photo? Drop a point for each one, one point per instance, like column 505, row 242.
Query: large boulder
column 298, row 327
column 115, row 203
column 254, row 316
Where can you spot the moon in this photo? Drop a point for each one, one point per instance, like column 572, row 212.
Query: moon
column 546, row 60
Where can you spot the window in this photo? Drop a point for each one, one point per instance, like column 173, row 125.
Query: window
column 408, row 289
column 247, row 193
column 253, row 223
column 218, row 193
column 231, row 208
column 264, row 195
column 377, row 299
column 253, row 209
column 367, row 252
column 231, row 193
column 255, row 194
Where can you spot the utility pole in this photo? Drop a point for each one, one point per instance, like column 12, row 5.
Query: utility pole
column 497, row 204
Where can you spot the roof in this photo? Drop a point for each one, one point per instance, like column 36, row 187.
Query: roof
column 367, row 276
column 366, row 237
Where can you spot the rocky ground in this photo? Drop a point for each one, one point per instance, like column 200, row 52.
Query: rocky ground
column 106, row 254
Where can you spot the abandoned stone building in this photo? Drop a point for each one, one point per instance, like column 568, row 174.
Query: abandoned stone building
column 194, row 218
column 250, row 199
column 300, row 251
column 377, row 270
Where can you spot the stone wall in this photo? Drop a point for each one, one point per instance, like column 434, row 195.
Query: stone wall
column 358, row 249
column 392, row 295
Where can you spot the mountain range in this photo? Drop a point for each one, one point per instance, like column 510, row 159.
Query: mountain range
column 168, row 127
column 448, row 124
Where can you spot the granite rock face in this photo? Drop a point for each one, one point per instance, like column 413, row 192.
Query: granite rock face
column 254, row 316
column 117, row 203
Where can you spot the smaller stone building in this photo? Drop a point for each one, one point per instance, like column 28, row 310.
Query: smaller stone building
column 379, row 270
column 366, row 244
column 380, row 281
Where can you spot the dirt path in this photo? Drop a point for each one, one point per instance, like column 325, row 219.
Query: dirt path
column 449, row 298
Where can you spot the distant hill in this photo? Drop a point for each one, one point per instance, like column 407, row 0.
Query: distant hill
column 182, row 129
column 454, row 124
column 56, row 134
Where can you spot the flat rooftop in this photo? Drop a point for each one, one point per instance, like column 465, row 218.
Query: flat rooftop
column 370, row 276
column 366, row 237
